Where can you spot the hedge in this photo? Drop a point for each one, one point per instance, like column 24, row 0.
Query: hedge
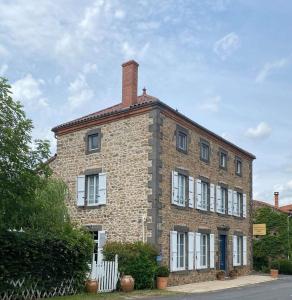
column 44, row 261
column 136, row 259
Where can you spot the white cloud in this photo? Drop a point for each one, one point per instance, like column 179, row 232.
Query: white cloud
column 211, row 104
column 3, row 69
column 57, row 79
column 89, row 68
column 261, row 131
column 3, row 51
column 79, row 92
column 269, row 67
column 130, row 52
column 120, row 14
column 28, row 91
column 227, row 45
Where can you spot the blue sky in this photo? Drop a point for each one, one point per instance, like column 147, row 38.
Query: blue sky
column 225, row 64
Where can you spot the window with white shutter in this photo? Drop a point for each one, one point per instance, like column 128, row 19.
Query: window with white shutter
column 205, row 195
column 173, row 251
column 191, row 245
column 218, row 199
column 235, row 253
column 198, row 192
column 244, row 205
column 102, row 188
column 191, row 191
column 96, row 189
column 80, row 190
column 101, row 243
column 244, row 251
column 212, row 251
column 198, row 250
column 230, row 202
column 235, row 210
column 178, row 189
column 174, row 198
column 212, row 197
column 204, row 251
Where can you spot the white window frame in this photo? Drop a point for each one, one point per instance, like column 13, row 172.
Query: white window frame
column 181, row 253
column 205, row 200
column 223, row 162
column 95, row 190
column 239, row 258
column 239, row 203
column 182, row 179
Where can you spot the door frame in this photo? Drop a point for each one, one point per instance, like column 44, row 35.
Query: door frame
column 225, row 233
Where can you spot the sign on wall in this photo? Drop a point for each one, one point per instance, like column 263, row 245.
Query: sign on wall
column 259, row 229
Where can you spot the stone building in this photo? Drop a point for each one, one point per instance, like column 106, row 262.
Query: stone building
column 142, row 171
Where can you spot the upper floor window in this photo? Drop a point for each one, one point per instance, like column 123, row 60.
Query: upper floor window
column 205, row 151
column 205, row 195
column 181, row 139
column 179, row 188
column 238, row 166
column 93, row 141
column 221, row 204
column 223, row 159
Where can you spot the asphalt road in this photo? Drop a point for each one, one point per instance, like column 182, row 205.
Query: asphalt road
column 274, row 290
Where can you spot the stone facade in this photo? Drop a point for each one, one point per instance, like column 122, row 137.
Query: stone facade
column 124, row 157
column 138, row 153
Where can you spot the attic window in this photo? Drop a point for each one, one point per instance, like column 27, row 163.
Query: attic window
column 93, row 141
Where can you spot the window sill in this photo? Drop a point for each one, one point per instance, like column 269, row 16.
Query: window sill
column 91, row 206
column 181, row 272
column 205, row 160
column 182, row 150
column 205, row 270
column 182, row 207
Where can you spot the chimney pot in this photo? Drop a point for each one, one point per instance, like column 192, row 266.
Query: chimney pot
column 276, row 197
column 130, row 83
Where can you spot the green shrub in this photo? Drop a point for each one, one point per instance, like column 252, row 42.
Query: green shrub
column 45, row 260
column 135, row 259
column 162, row 271
column 285, row 266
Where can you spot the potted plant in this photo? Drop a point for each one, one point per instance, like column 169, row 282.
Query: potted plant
column 274, row 269
column 220, row 275
column 233, row 274
column 91, row 284
column 162, row 274
column 127, row 283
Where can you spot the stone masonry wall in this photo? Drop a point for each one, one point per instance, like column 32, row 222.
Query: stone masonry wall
column 124, row 157
column 192, row 218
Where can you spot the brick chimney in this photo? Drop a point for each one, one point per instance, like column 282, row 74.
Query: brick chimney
column 276, row 197
column 130, row 83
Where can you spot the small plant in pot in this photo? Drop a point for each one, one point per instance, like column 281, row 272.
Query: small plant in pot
column 220, row 275
column 274, row 269
column 162, row 274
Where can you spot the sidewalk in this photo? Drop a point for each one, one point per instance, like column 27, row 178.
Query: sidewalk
column 216, row 285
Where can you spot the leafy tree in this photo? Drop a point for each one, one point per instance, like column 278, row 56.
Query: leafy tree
column 274, row 245
column 21, row 162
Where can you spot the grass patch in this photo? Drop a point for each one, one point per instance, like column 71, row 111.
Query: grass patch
column 117, row 295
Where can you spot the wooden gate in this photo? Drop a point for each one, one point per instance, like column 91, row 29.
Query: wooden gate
column 106, row 273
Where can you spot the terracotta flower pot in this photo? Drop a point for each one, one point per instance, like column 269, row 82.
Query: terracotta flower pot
column 274, row 273
column 91, row 286
column 127, row 283
column 162, row 282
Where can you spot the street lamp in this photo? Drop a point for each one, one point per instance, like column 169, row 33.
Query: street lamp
column 288, row 225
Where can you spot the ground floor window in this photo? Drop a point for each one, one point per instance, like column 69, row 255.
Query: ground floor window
column 204, row 251
column 239, row 251
column 181, row 251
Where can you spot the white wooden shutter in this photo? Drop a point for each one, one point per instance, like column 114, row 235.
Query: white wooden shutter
column 244, row 252
column 230, row 202
column 218, row 199
column 80, row 190
column 212, row 251
column 173, row 251
column 244, row 205
column 191, row 245
column 191, row 192
column 235, row 204
column 102, row 188
column 235, row 250
column 174, row 198
column 212, row 197
column 198, row 250
column 198, row 194
column 101, row 243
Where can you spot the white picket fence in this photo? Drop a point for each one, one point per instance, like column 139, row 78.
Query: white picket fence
column 106, row 273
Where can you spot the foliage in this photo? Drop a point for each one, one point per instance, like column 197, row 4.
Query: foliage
column 220, row 274
column 283, row 265
column 162, row 271
column 233, row 273
column 21, row 161
column 274, row 245
column 43, row 258
column 135, row 259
